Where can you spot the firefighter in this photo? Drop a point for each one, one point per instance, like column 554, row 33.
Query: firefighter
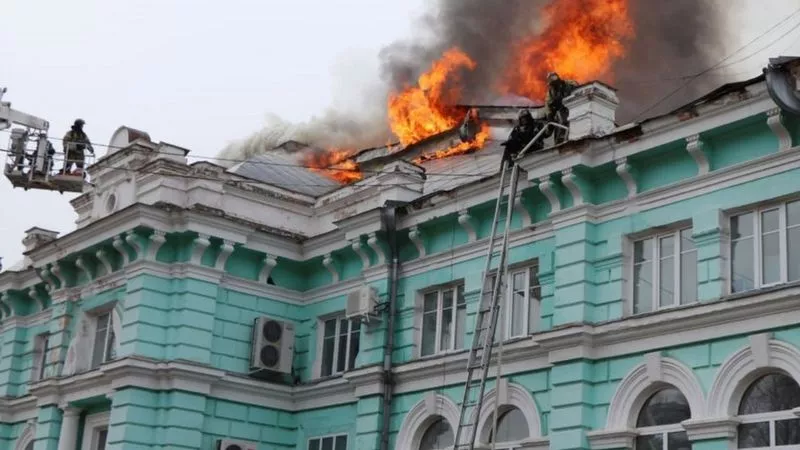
column 557, row 90
column 76, row 142
column 522, row 134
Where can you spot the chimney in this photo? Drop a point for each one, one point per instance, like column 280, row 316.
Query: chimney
column 592, row 110
column 35, row 238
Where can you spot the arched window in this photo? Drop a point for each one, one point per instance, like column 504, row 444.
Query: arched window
column 659, row 422
column 765, row 413
column 512, row 427
column 438, row 436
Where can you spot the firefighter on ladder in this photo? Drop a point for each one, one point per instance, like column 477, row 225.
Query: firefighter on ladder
column 557, row 90
column 75, row 143
column 522, row 134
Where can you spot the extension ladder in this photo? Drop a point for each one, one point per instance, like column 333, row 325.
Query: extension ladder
column 489, row 308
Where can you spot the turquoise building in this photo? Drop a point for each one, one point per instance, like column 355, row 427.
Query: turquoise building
column 653, row 294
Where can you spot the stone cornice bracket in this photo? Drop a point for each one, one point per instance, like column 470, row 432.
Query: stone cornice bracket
column 269, row 263
column 570, row 180
column 465, row 220
column 415, row 235
column 696, row 148
column 156, row 241
column 102, row 256
column 80, row 263
column 329, row 264
column 5, row 305
column 628, row 175
column 225, row 252
column 55, row 270
column 775, row 122
column 119, row 245
column 47, row 277
column 201, row 243
column 133, row 240
column 546, row 187
column 355, row 244
column 519, row 208
column 373, row 243
column 40, row 299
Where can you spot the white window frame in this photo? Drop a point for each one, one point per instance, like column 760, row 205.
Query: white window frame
column 757, row 236
column 508, row 301
column 771, row 418
column 655, row 260
column 93, row 425
column 40, row 349
column 321, row 344
column 328, row 436
column 440, row 290
column 107, row 352
column 662, row 430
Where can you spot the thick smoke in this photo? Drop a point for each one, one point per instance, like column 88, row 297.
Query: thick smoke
column 673, row 39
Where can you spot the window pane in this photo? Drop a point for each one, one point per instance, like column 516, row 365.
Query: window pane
column 652, row 442
column 327, row 355
column 355, row 338
column 793, row 244
column 341, row 443
column 511, row 427
column 341, row 357
column 330, row 328
column 429, row 334
column 327, row 443
column 665, row 407
column 447, row 320
column 678, row 441
column 688, row 277
column 313, row 444
column 642, row 288
column 787, row 432
column 518, row 305
column 770, row 258
column 438, row 436
column 110, row 343
column 687, row 242
column 666, row 281
column 752, row 435
column 431, row 301
column 534, row 297
column 741, row 226
column 99, row 345
column 102, row 436
column 666, row 246
column 461, row 318
column 742, row 266
column 770, row 220
column 773, row 392
column 643, row 250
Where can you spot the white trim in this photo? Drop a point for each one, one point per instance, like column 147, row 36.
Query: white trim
column 457, row 287
column 93, row 424
column 327, row 436
column 514, row 396
column 741, row 369
column 422, row 416
column 321, row 321
column 27, row 436
column 640, row 383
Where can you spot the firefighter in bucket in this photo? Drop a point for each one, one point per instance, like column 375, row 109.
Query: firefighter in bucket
column 76, row 142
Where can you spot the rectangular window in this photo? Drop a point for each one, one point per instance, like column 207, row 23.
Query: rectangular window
column 328, row 443
column 40, row 349
column 103, row 350
column 444, row 313
column 340, row 342
column 765, row 247
column 664, row 271
column 522, row 298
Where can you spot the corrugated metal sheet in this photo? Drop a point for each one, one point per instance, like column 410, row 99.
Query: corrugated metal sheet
column 449, row 173
column 279, row 169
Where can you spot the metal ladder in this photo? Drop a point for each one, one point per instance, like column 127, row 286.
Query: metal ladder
column 488, row 310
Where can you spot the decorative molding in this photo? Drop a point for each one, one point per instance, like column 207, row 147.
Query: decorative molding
column 373, row 243
column 119, row 245
column 508, row 395
column 27, row 436
column 627, row 173
column 547, row 188
column 48, row 279
column 424, row 414
column 612, row 439
column 696, row 148
column 7, row 310
column 643, row 381
column 465, row 220
column 225, row 252
column 133, row 240
column 201, row 243
column 81, row 264
column 570, row 180
column 705, row 429
column 415, row 235
column 759, row 348
column 775, row 122
column 357, row 247
column 519, row 208
column 744, row 367
column 270, row 262
column 102, row 256
column 55, row 270
column 40, row 299
column 157, row 240
column 330, row 264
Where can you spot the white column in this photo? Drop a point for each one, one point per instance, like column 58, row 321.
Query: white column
column 69, row 428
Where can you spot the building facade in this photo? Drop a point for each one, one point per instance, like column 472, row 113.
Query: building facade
column 653, row 298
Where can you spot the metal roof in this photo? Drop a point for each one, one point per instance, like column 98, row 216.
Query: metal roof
column 282, row 170
column 449, row 173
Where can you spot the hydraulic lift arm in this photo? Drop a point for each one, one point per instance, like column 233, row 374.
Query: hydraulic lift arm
column 9, row 117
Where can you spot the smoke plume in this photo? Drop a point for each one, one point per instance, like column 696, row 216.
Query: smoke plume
column 673, row 39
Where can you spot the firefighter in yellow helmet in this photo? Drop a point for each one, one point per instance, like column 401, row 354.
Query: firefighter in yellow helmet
column 76, row 142
column 557, row 90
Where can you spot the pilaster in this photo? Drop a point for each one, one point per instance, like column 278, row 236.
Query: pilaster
column 68, row 434
column 571, row 405
column 135, row 420
column 369, row 416
column 12, row 373
column 711, row 240
column 48, row 428
column 58, row 341
column 573, row 275
column 192, row 321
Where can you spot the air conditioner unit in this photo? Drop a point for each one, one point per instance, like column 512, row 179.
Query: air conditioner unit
column 273, row 346
column 362, row 302
column 227, row 444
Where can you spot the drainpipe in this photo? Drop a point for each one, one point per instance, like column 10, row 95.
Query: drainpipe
column 782, row 84
column 389, row 218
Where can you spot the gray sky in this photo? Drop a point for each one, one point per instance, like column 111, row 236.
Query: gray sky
column 199, row 74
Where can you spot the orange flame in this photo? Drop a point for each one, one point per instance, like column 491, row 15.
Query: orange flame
column 581, row 39
column 335, row 164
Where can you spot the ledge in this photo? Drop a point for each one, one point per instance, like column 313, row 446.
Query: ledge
column 703, row 429
column 611, row 439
